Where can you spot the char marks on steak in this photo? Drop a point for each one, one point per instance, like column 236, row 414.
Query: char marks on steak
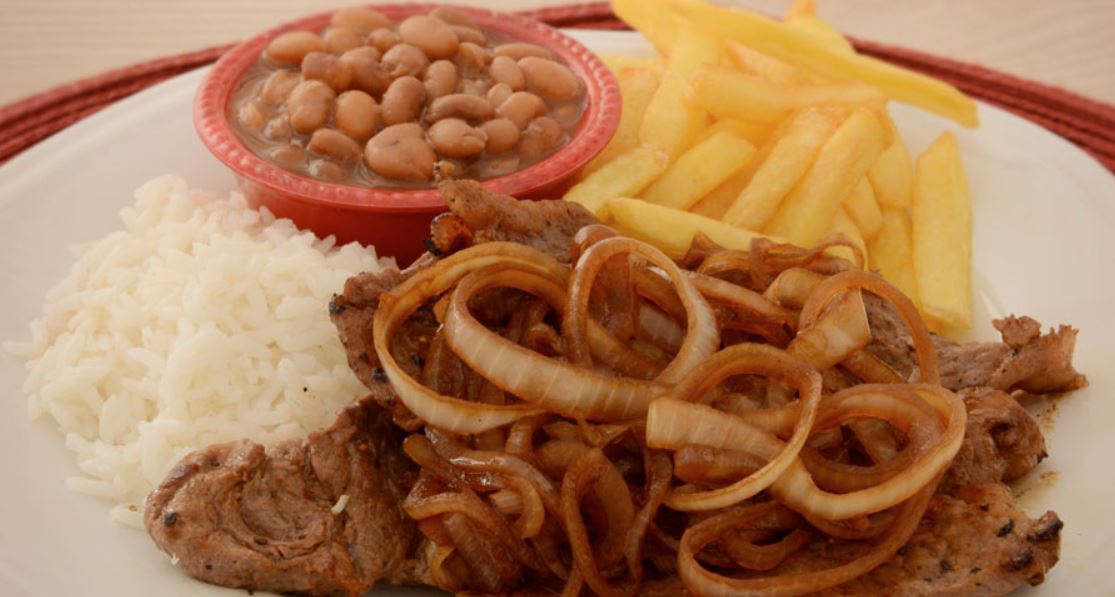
column 239, row 515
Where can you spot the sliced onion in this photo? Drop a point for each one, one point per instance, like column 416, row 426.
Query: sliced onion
column 743, row 300
column 792, row 287
column 830, row 336
column 594, row 470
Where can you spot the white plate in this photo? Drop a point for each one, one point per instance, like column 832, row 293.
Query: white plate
column 1044, row 215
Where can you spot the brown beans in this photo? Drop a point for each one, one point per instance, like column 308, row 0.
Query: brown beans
column 459, row 105
column 474, row 87
column 290, row 156
column 291, row 47
column 278, row 128
column 453, row 16
column 383, row 39
column 470, row 35
column 278, row 86
column 309, row 105
column 505, row 70
column 540, row 137
column 252, row 116
column 472, row 59
column 441, row 79
column 401, row 152
column 430, row 35
column 327, row 68
column 549, row 79
column 339, row 40
column 521, row 108
column 498, row 94
column 355, row 114
column 367, row 73
column 327, row 170
column 502, row 135
column 360, row 19
column 335, row 145
column 519, row 50
column 454, row 138
column 403, row 101
column 405, row 60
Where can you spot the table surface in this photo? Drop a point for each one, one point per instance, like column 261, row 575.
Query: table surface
column 44, row 43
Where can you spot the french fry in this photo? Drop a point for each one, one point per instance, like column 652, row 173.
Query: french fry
column 772, row 69
column 807, row 211
column 892, row 175
column 802, row 49
column 669, row 123
column 619, row 62
column 942, row 234
column 801, row 8
column 890, row 251
column 803, row 15
column 864, row 209
column 843, row 224
column 637, row 87
column 656, row 21
column 716, row 204
column 784, row 161
column 754, row 133
column 700, row 170
column 624, row 176
column 672, row 230
column 729, row 94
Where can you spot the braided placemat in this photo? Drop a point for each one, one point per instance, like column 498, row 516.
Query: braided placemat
column 1087, row 123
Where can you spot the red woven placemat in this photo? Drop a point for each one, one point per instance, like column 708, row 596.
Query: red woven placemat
column 1087, row 123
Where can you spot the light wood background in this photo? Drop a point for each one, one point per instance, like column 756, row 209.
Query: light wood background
column 1068, row 43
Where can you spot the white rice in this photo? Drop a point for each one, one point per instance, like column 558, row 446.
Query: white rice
column 202, row 321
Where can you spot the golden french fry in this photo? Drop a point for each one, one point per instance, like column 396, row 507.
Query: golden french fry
column 892, row 175
column 700, row 170
column 637, row 86
column 942, row 232
column 729, row 94
column 754, row 133
column 754, row 62
column 672, row 230
column 843, row 224
column 864, row 209
column 801, row 8
column 656, row 21
column 784, row 161
column 669, row 123
column 716, row 204
column 891, row 254
column 802, row 49
column 624, row 176
column 620, row 62
column 807, row 211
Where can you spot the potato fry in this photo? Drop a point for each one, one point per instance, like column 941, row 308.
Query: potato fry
column 637, row 87
column 656, row 21
column 669, row 123
column 624, row 176
column 672, row 230
column 892, row 175
column 804, row 50
column 801, row 8
column 772, row 69
column 619, row 62
column 942, row 234
column 807, row 211
column 716, row 203
column 754, row 133
column 890, row 251
column 864, row 209
column 700, row 170
column 728, row 94
column 843, row 224
column 784, row 160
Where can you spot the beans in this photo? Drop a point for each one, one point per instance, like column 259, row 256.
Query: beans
column 278, row 128
column 252, row 116
column 567, row 114
column 504, row 164
column 401, row 152
column 334, row 144
column 339, row 40
column 292, row 46
column 549, row 79
column 383, row 39
column 403, row 101
column 498, row 94
column 430, row 35
column 289, row 156
column 278, row 86
column 474, row 87
column 521, row 108
column 541, row 136
column 355, row 114
column 405, row 60
column 519, row 50
column 360, row 19
column 367, row 73
column 502, row 135
column 459, row 105
column 454, row 138
column 441, row 79
column 453, row 16
column 470, row 35
column 327, row 170
column 505, row 70
column 327, row 68
column 309, row 105
column 472, row 59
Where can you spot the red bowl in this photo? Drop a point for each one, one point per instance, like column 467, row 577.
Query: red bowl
column 397, row 220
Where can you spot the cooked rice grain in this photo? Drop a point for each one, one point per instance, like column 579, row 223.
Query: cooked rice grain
column 202, row 321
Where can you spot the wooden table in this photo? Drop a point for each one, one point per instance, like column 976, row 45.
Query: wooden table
column 44, row 43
